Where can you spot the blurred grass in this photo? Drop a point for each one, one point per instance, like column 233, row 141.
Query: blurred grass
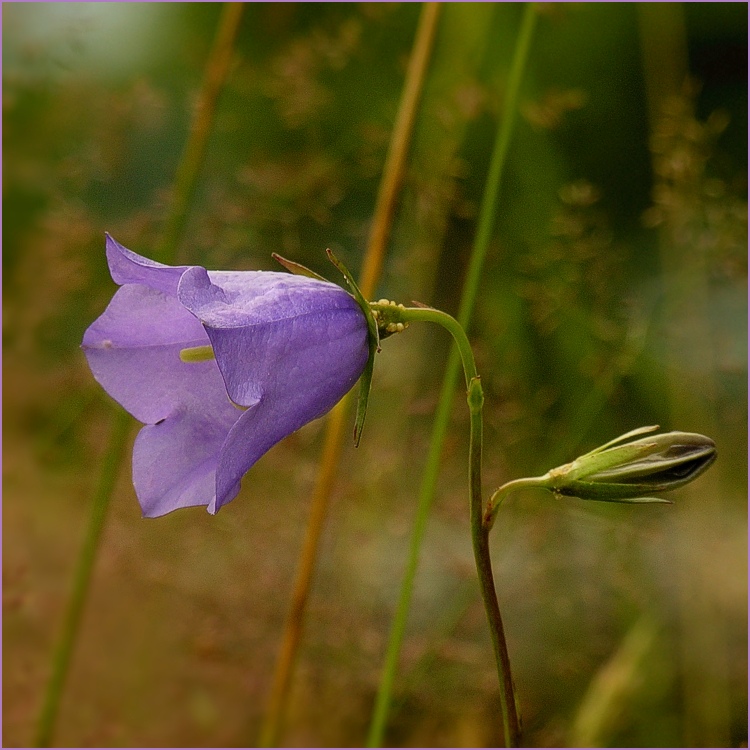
column 571, row 340
column 217, row 68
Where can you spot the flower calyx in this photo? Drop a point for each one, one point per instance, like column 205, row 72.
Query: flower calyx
column 389, row 317
column 373, row 340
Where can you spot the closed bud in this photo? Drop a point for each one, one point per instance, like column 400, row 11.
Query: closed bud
column 628, row 472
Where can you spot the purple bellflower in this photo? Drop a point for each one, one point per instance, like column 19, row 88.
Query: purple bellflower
column 286, row 349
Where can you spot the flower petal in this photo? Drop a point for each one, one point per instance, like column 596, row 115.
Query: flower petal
column 300, row 340
column 127, row 267
column 133, row 350
column 244, row 298
column 174, row 462
column 257, row 430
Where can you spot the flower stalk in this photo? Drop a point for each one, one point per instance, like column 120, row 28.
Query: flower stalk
column 395, row 318
column 480, row 537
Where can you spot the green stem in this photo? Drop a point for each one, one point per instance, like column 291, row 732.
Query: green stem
column 440, row 426
column 498, row 496
column 481, row 543
column 391, row 313
column 442, row 417
column 431, row 315
column 82, row 577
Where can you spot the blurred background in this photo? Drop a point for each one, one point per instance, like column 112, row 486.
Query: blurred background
column 614, row 296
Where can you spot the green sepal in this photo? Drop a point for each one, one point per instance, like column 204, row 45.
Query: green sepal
column 622, row 500
column 365, row 383
column 633, row 433
column 373, row 340
column 296, row 268
column 609, row 491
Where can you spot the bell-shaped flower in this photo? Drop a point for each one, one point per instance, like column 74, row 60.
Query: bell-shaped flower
column 286, row 349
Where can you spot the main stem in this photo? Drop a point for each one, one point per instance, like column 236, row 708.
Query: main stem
column 480, row 537
column 479, row 530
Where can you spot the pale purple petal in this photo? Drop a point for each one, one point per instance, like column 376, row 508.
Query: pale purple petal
column 134, row 347
column 257, row 430
column 127, row 267
column 226, row 299
column 174, row 462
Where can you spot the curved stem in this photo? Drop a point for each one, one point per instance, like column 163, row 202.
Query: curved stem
column 499, row 495
column 479, row 530
column 397, row 313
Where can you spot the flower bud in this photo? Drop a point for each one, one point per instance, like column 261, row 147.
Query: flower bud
column 628, row 472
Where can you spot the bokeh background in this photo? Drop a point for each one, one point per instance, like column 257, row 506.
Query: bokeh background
column 614, row 296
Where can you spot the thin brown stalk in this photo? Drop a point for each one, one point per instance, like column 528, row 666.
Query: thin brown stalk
column 217, row 69
column 385, row 207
